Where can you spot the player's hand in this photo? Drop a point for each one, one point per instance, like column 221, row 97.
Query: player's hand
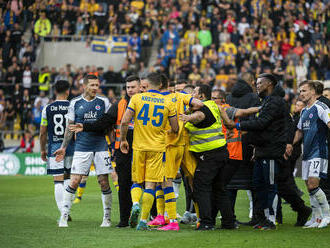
column 183, row 117
column 78, row 127
column 124, row 147
column 59, row 153
column 44, row 156
column 288, row 151
column 230, row 133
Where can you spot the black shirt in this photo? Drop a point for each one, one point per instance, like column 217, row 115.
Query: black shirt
column 208, row 120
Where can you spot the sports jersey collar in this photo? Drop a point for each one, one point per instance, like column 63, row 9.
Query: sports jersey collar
column 183, row 92
column 165, row 93
column 154, row 91
column 88, row 100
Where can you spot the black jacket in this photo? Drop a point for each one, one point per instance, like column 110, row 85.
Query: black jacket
column 297, row 147
column 270, row 128
column 243, row 97
column 107, row 121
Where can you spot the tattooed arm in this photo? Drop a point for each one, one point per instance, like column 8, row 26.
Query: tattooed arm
column 60, row 153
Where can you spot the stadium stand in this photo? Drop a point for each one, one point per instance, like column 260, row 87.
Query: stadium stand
column 212, row 42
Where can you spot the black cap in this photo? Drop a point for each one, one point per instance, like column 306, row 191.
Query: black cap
column 269, row 76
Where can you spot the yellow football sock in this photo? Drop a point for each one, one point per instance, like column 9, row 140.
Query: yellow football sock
column 80, row 190
column 196, row 209
column 136, row 193
column 115, row 183
column 170, row 202
column 147, row 201
column 160, row 202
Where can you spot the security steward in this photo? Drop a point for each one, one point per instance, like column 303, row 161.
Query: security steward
column 208, row 144
column 123, row 161
column 269, row 130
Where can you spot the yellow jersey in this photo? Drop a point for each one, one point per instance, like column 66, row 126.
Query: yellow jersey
column 151, row 113
column 182, row 102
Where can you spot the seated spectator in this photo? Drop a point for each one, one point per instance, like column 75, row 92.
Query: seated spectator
column 27, row 142
column 299, row 50
column 9, row 115
column 243, row 25
column 42, row 99
column 229, row 45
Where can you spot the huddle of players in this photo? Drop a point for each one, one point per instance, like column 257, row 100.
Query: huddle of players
column 156, row 130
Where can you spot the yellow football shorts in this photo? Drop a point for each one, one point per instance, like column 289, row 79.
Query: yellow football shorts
column 177, row 156
column 174, row 156
column 148, row 167
column 189, row 163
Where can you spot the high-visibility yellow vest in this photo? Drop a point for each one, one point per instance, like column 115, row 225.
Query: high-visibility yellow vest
column 44, row 80
column 210, row 138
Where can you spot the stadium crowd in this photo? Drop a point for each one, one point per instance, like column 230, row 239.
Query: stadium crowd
column 205, row 41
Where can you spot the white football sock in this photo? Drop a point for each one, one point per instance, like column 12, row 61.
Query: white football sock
column 107, row 202
column 66, row 182
column 322, row 200
column 68, row 197
column 58, row 192
column 316, row 208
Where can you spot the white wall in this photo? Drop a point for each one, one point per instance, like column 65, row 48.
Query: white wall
column 58, row 54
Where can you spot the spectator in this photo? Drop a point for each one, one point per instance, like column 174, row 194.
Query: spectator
column 27, row 142
column 205, row 37
column 42, row 99
column 43, row 26
column 36, row 113
column 10, row 115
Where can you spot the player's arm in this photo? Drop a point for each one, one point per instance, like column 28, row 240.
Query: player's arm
column 68, row 134
column 174, row 123
column 129, row 114
column 43, row 135
column 297, row 137
column 194, row 118
column 230, row 124
column 246, row 112
column 195, row 104
column 270, row 111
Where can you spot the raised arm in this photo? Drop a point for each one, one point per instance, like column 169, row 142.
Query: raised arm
column 194, row 118
column 196, row 104
column 246, row 112
column 226, row 120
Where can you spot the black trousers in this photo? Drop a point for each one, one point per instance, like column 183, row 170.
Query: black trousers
column 124, row 171
column 287, row 188
column 325, row 183
column 208, row 187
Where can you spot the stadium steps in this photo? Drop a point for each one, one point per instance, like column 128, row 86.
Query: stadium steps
column 154, row 53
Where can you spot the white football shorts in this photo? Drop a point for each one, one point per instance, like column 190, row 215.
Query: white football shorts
column 58, row 168
column 82, row 162
column 316, row 167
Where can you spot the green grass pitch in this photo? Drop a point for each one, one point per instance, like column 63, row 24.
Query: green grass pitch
column 28, row 216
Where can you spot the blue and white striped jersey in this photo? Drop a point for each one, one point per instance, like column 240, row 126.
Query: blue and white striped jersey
column 313, row 123
column 54, row 117
column 82, row 111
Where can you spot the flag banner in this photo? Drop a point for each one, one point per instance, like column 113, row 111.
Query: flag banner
column 112, row 44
